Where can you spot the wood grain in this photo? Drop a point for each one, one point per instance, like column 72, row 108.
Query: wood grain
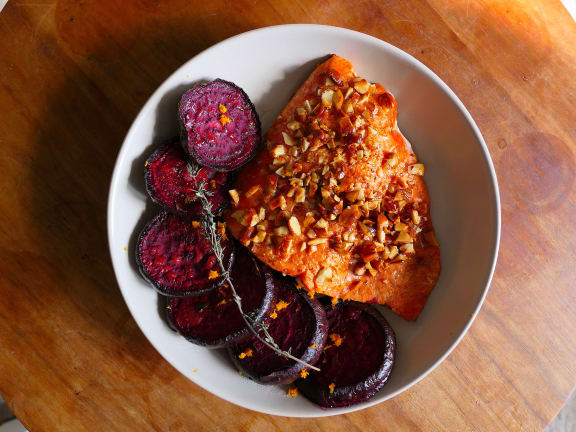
column 73, row 74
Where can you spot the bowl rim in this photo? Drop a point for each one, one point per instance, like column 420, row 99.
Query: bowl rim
column 495, row 197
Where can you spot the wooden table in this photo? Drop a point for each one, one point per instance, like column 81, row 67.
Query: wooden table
column 73, row 75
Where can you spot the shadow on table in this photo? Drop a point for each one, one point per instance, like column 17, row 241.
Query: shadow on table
column 85, row 121
column 105, row 81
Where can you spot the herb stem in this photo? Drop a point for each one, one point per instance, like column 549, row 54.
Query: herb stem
column 211, row 232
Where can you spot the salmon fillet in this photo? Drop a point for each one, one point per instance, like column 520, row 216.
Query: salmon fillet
column 337, row 199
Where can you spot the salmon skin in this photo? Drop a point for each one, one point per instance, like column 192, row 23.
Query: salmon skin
column 336, row 197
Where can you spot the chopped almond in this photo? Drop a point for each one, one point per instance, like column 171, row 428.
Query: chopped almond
column 252, row 219
column 349, row 92
column 392, row 161
column 348, row 106
column 407, row 248
column 279, row 150
column 318, row 241
column 281, row 231
column 371, row 269
column 368, row 253
column 337, row 99
column 361, row 86
column 352, row 196
column 294, row 225
column 311, row 234
column 308, row 220
column 399, row 226
column 322, row 224
column 327, row 98
column 417, row 169
column 288, row 139
column 323, row 275
column 294, row 125
column 276, row 202
column 404, row 237
column 345, row 125
column 253, row 191
column 300, row 195
column 234, row 195
column 259, row 237
column 359, row 269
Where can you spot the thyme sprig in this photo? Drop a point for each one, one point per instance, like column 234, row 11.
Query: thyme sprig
column 214, row 237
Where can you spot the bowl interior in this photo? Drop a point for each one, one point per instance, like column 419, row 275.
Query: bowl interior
column 270, row 64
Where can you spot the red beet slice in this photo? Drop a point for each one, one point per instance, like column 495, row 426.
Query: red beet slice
column 176, row 258
column 300, row 327
column 357, row 359
column 171, row 183
column 213, row 320
column 219, row 126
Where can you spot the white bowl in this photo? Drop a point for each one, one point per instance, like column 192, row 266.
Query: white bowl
column 270, row 64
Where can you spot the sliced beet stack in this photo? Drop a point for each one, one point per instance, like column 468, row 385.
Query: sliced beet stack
column 298, row 325
column 213, row 320
column 176, row 258
column 171, row 182
column 219, row 126
column 357, row 358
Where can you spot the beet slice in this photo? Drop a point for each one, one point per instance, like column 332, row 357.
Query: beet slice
column 219, row 126
column 176, row 258
column 171, row 183
column 357, row 359
column 213, row 320
column 299, row 327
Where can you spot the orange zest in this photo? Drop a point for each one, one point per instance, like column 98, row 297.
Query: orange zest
column 336, row 339
column 281, row 305
column 292, row 392
column 224, row 120
column 246, row 353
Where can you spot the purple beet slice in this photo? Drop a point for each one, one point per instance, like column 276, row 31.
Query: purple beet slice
column 298, row 325
column 213, row 320
column 357, row 358
column 176, row 258
column 171, row 182
column 219, row 126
